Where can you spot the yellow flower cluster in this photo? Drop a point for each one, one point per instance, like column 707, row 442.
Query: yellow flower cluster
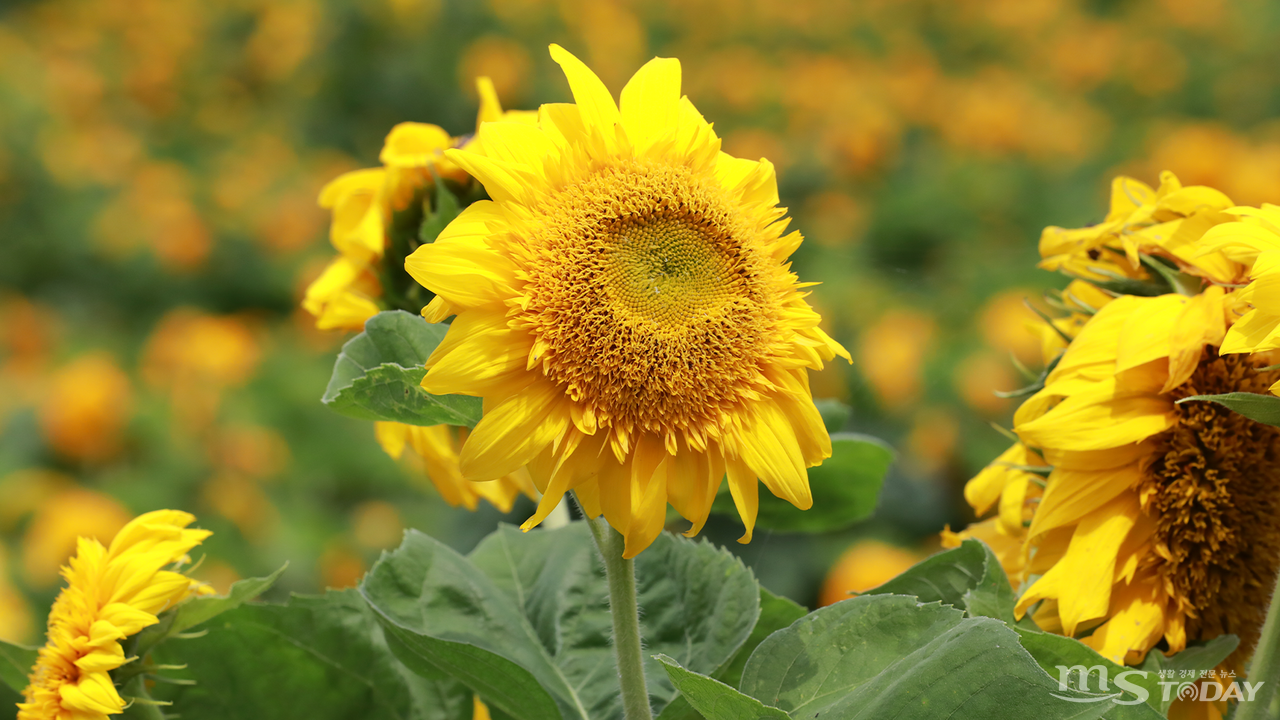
column 112, row 593
column 1132, row 519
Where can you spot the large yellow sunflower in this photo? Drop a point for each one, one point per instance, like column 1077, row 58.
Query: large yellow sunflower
column 625, row 308
column 111, row 594
column 1155, row 520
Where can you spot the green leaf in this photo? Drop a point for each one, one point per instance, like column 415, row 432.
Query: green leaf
column 890, row 656
column 846, row 488
column 1261, row 408
column 1190, row 664
column 539, row 602
column 317, row 658
column 16, row 662
column 377, row 375
column 775, row 613
column 968, row 577
column 442, row 615
column 1057, row 654
column 713, row 699
column 834, row 413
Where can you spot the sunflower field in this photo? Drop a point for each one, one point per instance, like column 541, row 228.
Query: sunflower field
column 635, row 359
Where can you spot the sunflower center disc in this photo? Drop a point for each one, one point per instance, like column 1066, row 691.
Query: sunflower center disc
column 1214, row 493
column 648, row 297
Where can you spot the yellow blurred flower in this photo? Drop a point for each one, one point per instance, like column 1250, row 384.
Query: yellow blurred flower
column 1144, row 519
column 241, row 500
column 376, row 524
column 86, row 407
column 112, row 592
column 15, row 615
column 59, row 522
column 194, row 357
column 438, row 447
column 891, row 355
column 1169, row 221
column 865, row 565
column 638, row 379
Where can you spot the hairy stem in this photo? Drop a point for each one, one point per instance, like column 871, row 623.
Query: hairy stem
column 626, row 620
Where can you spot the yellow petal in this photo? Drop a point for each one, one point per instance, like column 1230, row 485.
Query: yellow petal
column 412, row 144
column 1099, row 419
column 1072, row 494
column 392, row 436
column 594, row 102
column 769, row 447
column 746, row 494
column 511, row 434
column 1147, row 330
column 1136, row 624
column 1081, row 581
column 651, row 102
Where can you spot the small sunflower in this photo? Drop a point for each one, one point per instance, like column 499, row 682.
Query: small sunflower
column 111, row 594
column 438, row 447
column 1153, row 520
column 625, row 308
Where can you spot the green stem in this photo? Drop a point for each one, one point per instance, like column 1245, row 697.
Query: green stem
column 142, row 707
column 1265, row 667
column 626, row 620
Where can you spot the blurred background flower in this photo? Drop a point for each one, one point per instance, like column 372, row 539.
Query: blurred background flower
column 161, row 160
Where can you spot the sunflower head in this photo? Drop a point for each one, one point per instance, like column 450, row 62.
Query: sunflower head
column 625, row 308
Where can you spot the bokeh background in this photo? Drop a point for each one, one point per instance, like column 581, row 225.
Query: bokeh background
column 160, row 162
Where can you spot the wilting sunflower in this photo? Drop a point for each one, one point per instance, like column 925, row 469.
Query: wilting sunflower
column 111, row 594
column 1253, row 239
column 364, row 203
column 625, row 308
column 1155, row 520
column 1168, row 222
column 438, row 447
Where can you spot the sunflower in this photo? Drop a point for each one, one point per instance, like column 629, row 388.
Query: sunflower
column 625, row 309
column 1155, row 520
column 364, row 202
column 438, row 446
column 1167, row 222
column 111, row 594
column 1253, row 239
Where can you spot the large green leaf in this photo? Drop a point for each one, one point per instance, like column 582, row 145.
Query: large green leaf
column 968, row 577
column 317, row 658
column 536, row 605
column 775, row 613
column 16, row 662
column 698, row 603
column 892, row 656
column 1186, row 666
column 1139, row 689
column 846, row 488
column 1262, row 408
column 377, row 375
